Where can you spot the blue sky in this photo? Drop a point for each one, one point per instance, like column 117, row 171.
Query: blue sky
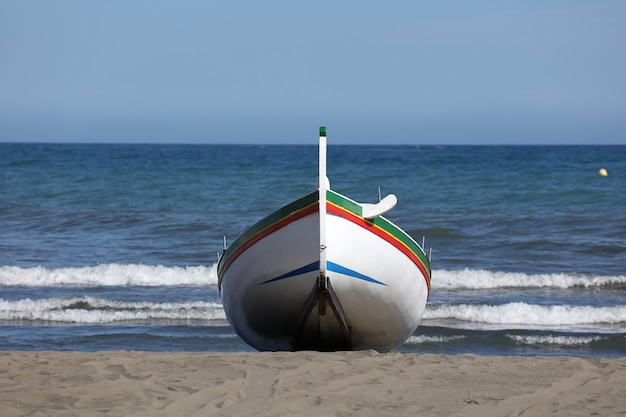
column 414, row 72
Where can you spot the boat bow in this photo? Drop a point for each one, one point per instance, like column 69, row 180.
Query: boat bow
column 325, row 273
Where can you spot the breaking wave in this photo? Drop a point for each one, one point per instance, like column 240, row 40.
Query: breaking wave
column 109, row 275
column 93, row 310
column 481, row 279
column 523, row 314
column 555, row 339
column 147, row 275
column 418, row 340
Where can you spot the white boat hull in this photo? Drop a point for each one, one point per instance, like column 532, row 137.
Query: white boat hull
column 269, row 285
column 265, row 314
column 325, row 273
column 382, row 314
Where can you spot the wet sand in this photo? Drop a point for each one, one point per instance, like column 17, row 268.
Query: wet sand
column 119, row 383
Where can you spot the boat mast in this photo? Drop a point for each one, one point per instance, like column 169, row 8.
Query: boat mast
column 322, row 186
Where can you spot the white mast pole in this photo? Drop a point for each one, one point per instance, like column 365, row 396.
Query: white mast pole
column 322, row 187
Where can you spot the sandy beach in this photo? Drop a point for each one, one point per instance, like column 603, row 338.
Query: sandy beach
column 120, row 383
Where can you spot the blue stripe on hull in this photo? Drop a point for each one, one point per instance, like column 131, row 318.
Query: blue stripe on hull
column 330, row 266
column 303, row 270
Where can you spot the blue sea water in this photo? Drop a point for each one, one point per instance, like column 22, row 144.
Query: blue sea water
column 114, row 246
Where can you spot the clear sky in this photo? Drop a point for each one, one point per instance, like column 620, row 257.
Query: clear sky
column 414, row 72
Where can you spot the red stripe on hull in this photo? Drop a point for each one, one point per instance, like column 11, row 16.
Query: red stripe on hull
column 268, row 231
column 369, row 226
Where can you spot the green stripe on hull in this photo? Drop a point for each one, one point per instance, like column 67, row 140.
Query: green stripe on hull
column 336, row 199
column 268, row 221
column 382, row 223
column 344, row 202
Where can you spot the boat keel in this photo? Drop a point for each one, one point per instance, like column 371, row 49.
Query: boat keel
column 323, row 326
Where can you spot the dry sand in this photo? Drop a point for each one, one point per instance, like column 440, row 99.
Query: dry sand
column 119, row 383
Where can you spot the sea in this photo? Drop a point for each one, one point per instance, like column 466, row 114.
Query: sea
column 114, row 246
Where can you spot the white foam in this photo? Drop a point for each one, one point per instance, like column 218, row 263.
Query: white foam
column 92, row 310
column 527, row 314
column 148, row 275
column 554, row 340
column 418, row 340
column 481, row 279
column 110, row 275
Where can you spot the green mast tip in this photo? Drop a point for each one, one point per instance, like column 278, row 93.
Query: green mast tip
column 322, row 130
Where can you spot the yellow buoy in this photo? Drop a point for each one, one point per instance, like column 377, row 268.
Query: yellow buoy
column 602, row 172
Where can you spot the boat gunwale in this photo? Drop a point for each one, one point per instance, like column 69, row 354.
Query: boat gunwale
column 308, row 204
column 352, row 211
column 257, row 231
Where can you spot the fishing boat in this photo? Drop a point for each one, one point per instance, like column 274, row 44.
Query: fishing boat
column 325, row 273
